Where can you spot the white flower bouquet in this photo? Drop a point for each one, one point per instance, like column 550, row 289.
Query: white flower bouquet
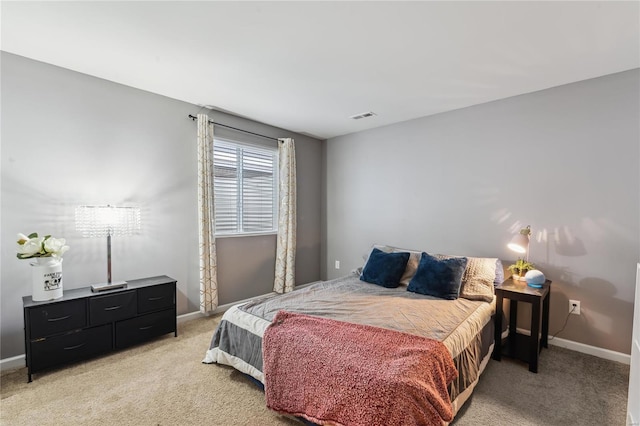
column 34, row 246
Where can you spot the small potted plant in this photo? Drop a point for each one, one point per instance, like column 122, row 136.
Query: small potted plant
column 520, row 268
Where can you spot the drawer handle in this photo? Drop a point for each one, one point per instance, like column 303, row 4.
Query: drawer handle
column 70, row 348
column 153, row 299
column 113, row 308
column 58, row 319
column 145, row 328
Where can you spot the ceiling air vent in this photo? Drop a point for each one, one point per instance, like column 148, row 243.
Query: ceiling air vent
column 363, row 115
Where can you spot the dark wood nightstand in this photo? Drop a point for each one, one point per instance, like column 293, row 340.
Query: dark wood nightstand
column 516, row 345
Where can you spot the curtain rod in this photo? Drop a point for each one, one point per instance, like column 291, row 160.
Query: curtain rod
column 193, row 117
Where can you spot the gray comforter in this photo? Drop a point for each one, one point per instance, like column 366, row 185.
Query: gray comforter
column 462, row 325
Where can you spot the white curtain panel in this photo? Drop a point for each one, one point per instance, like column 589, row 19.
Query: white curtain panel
column 206, row 217
column 286, row 245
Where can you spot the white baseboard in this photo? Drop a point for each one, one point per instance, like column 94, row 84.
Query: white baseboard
column 12, row 363
column 190, row 316
column 219, row 310
column 592, row 350
column 585, row 349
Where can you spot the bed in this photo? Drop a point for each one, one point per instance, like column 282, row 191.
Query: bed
column 463, row 326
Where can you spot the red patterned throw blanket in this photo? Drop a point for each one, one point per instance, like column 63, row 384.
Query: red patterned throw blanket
column 337, row 373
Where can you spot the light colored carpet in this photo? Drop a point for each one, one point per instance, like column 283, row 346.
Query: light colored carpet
column 165, row 383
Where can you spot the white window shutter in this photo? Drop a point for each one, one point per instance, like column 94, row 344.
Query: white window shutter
column 245, row 187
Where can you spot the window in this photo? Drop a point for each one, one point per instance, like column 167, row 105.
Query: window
column 245, row 188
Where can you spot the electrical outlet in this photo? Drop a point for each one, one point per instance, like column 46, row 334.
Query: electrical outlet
column 574, row 305
column 337, row 264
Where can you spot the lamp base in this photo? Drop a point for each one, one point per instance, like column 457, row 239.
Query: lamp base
column 108, row 286
column 534, row 285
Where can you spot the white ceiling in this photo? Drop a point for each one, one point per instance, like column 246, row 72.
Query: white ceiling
column 308, row 66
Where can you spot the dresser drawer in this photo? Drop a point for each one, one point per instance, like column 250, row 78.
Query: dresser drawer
column 57, row 318
column 157, row 297
column 144, row 327
column 112, row 307
column 69, row 347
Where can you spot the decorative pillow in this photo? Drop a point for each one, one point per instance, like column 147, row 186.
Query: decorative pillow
column 478, row 279
column 438, row 277
column 412, row 264
column 365, row 257
column 384, row 269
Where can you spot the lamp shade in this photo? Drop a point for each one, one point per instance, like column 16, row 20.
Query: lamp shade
column 107, row 221
column 102, row 221
column 520, row 242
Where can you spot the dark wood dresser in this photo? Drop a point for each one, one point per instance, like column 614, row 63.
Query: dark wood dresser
column 82, row 324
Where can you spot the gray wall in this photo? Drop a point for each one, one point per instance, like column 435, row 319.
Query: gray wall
column 70, row 139
column 564, row 160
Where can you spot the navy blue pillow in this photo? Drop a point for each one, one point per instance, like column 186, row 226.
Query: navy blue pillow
column 438, row 277
column 384, row 269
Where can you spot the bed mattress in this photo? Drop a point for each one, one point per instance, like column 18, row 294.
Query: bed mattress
column 464, row 326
